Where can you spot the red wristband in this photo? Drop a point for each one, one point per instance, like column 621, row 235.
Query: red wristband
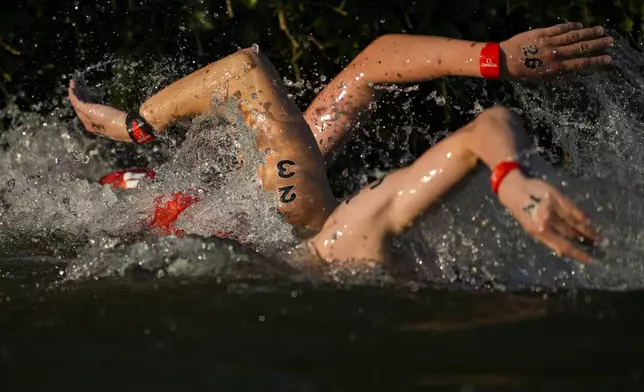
column 490, row 59
column 139, row 130
column 501, row 170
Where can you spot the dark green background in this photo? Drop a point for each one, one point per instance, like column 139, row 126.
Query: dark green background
column 40, row 40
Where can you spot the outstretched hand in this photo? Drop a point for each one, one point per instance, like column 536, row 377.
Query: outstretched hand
column 553, row 50
column 98, row 119
column 547, row 215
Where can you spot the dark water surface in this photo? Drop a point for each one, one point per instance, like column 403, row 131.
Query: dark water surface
column 277, row 335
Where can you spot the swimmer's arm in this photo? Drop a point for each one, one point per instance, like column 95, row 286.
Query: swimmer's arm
column 388, row 59
column 98, row 119
column 495, row 136
column 399, row 58
column 406, row 58
column 189, row 96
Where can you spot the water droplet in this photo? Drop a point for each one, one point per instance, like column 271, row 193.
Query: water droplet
column 255, row 48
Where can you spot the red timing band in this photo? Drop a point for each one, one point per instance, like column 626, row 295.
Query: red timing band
column 139, row 130
column 139, row 135
column 489, row 61
column 501, row 170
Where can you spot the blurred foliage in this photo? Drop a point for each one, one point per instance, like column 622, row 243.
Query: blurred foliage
column 42, row 42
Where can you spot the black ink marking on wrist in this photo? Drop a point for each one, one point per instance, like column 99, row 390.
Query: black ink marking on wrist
column 287, row 194
column 282, row 171
column 529, row 208
column 533, row 63
column 532, row 206
column 98, row 127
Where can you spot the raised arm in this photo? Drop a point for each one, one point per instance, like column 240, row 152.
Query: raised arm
column 407, row 58
column 188, row 96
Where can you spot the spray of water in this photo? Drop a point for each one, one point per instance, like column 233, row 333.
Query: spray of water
column 595, row 118
column 49, row 191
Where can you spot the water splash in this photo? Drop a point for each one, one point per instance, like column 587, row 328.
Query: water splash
column 595, row 118
column 49, row 190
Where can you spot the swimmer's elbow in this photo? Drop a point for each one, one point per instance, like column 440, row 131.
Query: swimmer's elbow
column 246, row 54
column 251, row 55
column 388, row 40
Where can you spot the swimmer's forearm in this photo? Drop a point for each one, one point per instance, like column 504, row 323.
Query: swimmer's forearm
column 394, row 58
column 193, row 94
column 173, row 103
column 494, row 136
column 403, row 58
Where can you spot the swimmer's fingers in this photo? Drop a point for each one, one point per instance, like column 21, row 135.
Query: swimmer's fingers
column 577, row 36
column 79, row 91
column 76, row 101
column 586, row 48
column 575, row 218
column 582, row 63
column 560, row 29
column 80, row 108
column 563, row 228
column 551, row 224
column 563, row 247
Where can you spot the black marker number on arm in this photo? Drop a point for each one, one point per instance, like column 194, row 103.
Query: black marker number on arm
column 286, row 194
column 530, row 50
column 283, row 171
column 533, row 63
column 98, row 128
